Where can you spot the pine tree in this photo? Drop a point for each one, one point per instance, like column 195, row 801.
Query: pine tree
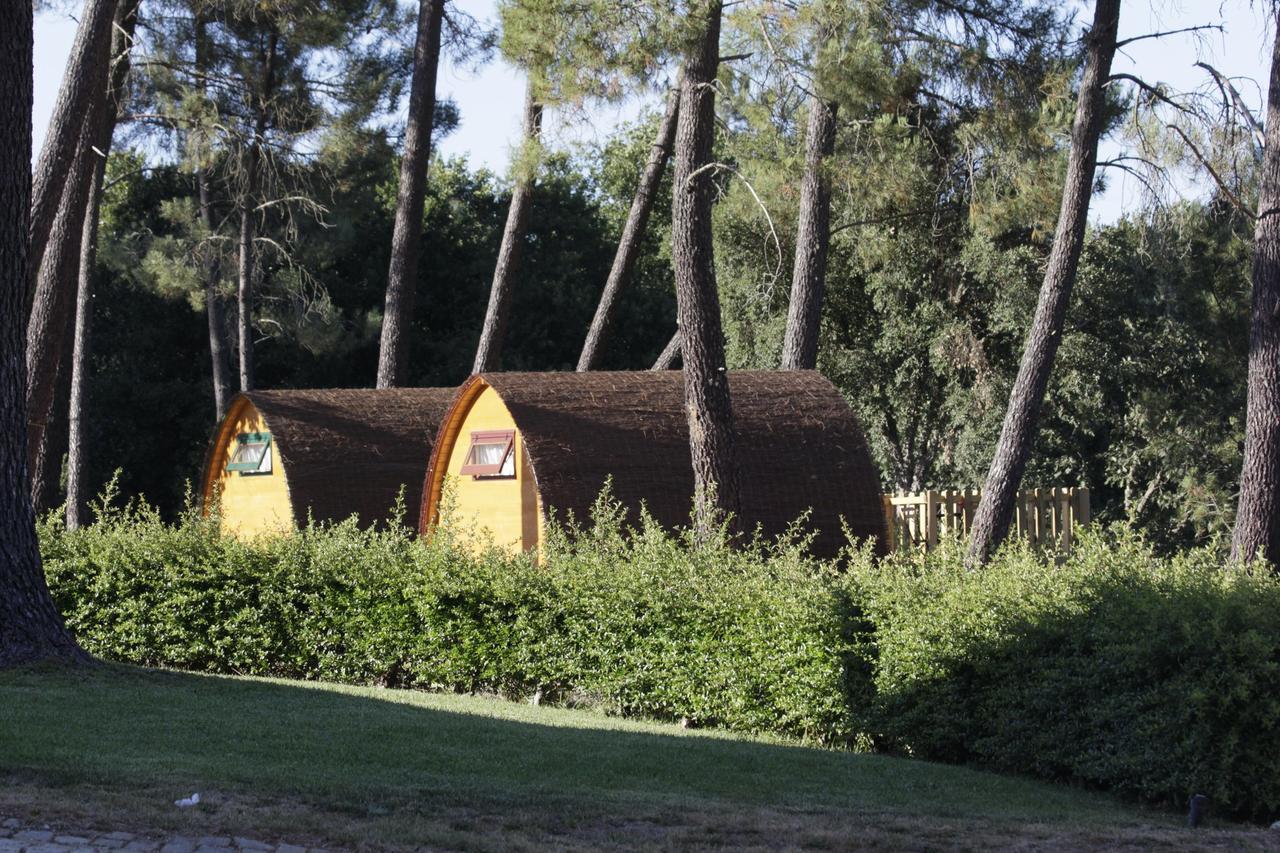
column 30, row 627
column 1257, row 528
column 706, row 378
column 393, row 353
column 1013, row 450
column 494, row 330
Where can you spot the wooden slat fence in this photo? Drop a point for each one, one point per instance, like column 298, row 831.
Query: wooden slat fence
column 1045, row 516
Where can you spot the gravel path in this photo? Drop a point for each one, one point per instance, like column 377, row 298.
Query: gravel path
column 17, row 837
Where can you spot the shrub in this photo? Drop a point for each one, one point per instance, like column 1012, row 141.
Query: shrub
column 1151, row 676
column 753, row 639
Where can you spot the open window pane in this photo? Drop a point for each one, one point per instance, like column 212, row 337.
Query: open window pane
column 252, row 454
column 490, row 454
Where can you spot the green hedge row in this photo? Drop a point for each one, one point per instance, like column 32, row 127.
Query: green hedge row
column 1157, row 677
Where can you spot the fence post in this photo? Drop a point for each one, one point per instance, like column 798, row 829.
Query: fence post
column 1083, row 508
column 891, row 541
column 971, row 498
column 931, row 520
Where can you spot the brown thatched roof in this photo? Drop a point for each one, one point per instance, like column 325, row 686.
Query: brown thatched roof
column 799, row 446
column 350, row 450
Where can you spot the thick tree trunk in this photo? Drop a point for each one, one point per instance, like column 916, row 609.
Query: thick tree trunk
column 30, row 627
column 995, row 511
column 77, row 445
column 402, row 279
column 706, row 380
column 489, row 350
column 245, row 290
column 214, row 308
column 667, row 358
column 83, row 81
column 632, row 233
column 1257, row 530
column 813, row 236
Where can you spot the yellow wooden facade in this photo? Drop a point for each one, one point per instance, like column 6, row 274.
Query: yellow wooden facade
column 504, row 511
column 251, row 504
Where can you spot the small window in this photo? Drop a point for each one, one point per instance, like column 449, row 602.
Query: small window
column 490, row 454
column 252, row 454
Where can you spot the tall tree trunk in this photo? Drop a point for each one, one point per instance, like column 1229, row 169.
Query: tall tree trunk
column 489, row 350
column 706, row 380
column 1257, row 530
column 51, row 310
column 402, row 279
column 995, row 511
column 77, row 446
column 245, row 291
column 632, row 233
column 667, row 358
column 30, row 627
column 244, row 296
column 214, row 307
column 46, row 476
column 813, row 236
column 83, row 82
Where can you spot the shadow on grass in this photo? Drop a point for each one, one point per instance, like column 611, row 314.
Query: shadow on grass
column 361, row 746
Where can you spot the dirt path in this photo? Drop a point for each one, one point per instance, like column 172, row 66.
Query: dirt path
column 19, row 837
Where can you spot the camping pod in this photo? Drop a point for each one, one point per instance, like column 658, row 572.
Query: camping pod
column 281, row 457
column 517, row 448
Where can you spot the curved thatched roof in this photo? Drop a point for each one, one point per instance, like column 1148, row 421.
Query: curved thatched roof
column 799, row 447
column 350, row 450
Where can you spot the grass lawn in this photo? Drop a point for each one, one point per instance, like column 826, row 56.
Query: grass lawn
column 111, row 748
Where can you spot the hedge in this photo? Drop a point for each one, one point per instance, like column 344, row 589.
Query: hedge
column 1152, row 676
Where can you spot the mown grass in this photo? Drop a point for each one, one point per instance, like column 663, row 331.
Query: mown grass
column 364, row 766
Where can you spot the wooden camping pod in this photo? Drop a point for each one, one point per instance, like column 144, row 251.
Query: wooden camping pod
column 281, row 457
column 799, row 447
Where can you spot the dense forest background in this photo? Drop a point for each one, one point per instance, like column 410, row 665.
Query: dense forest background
column 943, row 207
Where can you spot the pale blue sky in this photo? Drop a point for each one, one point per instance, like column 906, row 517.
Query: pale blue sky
column 490, row 99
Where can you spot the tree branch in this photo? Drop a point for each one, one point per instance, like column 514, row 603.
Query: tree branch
column 1241, row 107
column 1197, row 28
column 1213, row 173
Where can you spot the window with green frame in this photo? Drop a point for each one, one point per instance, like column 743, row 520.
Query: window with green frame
column 252, row 454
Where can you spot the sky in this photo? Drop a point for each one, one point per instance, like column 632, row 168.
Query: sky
column 489, row 99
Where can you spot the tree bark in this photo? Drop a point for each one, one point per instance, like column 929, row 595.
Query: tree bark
column 402, row 279
column 30, row 627
column 999, row 493
column 813, row 236
column 77, row 445
column 667, row 358
column 214, row 308
column 632, row 233
column 245, row 245
column 83, row 81
column 706, row 380
column 489, row 350
column 1257, row 529
column 244, row 296
column 51, row 310
column 46, row 476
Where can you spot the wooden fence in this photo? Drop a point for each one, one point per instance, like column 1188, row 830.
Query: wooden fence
column 1045, row 516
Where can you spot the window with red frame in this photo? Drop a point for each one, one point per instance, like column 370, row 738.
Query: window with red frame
column 491, row 454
